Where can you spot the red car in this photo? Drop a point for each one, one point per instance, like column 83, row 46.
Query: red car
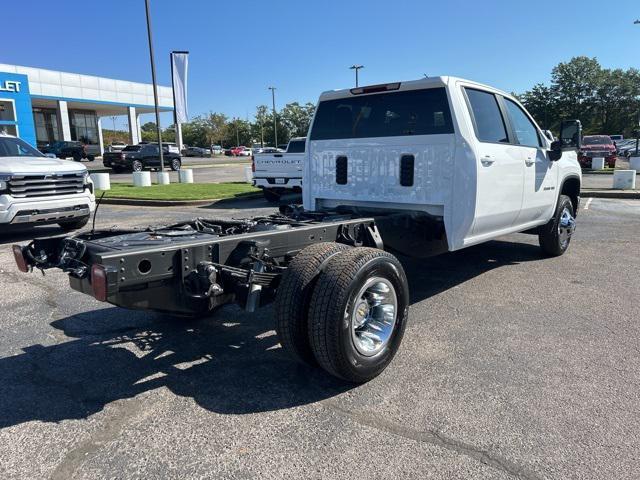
column 597, row 146
column 241, row 151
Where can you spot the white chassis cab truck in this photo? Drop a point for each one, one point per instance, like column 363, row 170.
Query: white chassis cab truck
column 38, row 190
column 280, row 173
column 412, row 168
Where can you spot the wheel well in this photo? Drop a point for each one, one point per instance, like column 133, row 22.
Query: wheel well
column 571, row 188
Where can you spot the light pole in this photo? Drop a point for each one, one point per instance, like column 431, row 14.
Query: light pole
column 275, row 123
column 637, row 22
column 356, row 68
column 155, row 86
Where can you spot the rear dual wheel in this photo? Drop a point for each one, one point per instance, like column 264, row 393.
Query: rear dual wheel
column 354, row 311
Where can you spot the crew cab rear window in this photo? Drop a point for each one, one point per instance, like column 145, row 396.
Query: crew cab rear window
column 395, row 114
column 296, row 146
column 488, row 120
column 131, row 148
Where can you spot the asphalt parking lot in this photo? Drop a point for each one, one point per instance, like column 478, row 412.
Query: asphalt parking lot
column 512, row 366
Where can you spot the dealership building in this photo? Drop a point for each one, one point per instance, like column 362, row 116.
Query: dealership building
column 42, row 106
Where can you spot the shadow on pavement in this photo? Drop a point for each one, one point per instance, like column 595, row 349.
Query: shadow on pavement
column 230, row 363
column 433, row 275
column 15, row 234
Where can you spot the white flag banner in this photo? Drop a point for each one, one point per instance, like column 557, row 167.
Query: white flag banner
column 179, row 66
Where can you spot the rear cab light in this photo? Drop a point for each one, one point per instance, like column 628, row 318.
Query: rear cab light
column 383, row 87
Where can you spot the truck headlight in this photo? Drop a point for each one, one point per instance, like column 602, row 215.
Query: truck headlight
column 4, row 179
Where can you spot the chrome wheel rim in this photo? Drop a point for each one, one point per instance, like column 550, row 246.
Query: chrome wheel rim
column 175, row 164
column 137, row 167
column 374, row 316
column 566, row 226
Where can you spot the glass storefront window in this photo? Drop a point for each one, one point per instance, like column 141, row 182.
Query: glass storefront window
column 46, row 123
column 7, row 111
column 84, row 126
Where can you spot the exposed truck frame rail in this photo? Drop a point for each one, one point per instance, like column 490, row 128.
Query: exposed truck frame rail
column 190, row 268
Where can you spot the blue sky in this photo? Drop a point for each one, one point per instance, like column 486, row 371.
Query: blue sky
column 238, row 48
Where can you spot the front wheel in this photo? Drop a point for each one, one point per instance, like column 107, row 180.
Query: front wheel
column 555, row 236
column 137, row 166
column 358, row 313
column 176, row 164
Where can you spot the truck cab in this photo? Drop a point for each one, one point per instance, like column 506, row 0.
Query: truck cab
column 451, row 151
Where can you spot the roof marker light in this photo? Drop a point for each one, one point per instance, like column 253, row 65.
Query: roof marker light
column 383, row 87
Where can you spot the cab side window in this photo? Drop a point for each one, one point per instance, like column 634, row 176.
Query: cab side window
column 525, row 131
column 488, row 121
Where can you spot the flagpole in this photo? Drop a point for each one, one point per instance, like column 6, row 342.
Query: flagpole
column 155, row 85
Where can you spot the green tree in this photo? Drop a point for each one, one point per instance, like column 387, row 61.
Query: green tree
column 238, row 132
column 541, row 103
column 258, row 127
column 215, row 125
column 296, row 118
column 575, row 86
column 148, row 127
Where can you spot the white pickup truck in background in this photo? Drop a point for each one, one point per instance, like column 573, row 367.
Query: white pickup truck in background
column 279, row 173
column 38, row 190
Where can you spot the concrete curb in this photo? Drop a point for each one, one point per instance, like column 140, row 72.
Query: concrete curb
column 624, row 194
column 174, row 203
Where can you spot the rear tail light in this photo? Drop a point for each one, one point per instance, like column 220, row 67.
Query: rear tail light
column 122, row 156
column 20, row 259
column 99, row 282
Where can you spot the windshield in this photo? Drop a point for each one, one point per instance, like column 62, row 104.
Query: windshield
column 131, row 148
column 14, row 147
column 596, row 141
column 411, row 112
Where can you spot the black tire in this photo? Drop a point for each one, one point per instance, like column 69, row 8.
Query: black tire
column 175, row 164
column 555, row 236
column 333, row 304
column 271, row 196
column 77, row 157
column 137, row 166
column 291, row 308
column 73, row 224
column 91, row 158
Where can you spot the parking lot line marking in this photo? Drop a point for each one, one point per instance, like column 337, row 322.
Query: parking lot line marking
column 586, row 207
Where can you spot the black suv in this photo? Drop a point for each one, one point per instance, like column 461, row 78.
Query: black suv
column 138, row 157
column 66, row 149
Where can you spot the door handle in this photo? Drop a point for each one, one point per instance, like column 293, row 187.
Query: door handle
column 487, row 161
column 529, row 161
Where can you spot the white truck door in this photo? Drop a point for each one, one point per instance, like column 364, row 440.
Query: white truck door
column 500, row 166
column 540, row 174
